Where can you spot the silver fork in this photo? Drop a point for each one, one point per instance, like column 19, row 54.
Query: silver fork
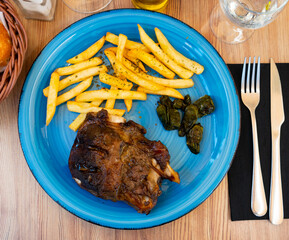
column 251, row 98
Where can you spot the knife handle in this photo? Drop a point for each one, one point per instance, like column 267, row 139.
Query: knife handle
column 258, row 197
column 276, row 198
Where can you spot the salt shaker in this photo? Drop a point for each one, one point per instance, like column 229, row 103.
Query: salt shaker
column 37, row 9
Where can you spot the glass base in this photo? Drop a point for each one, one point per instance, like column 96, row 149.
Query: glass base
column 87, row 6
column 160, row 6
column 225, row 30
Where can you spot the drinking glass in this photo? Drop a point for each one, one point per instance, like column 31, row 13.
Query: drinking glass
column 153, row 5
column 86, row 6
column 234, row 21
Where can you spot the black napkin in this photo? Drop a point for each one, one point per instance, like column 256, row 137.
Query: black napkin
column 240, row 174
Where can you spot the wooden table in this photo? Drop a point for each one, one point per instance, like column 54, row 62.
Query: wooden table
column 27, row 212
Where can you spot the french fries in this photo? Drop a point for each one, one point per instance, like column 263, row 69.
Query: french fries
column 158, row 52
column 81, row 107
column 127, row 62
column 77, row 122
column 109, row 94
column 110, row 102
column 81, row 87
column 132, row 59
column 176, row 56
column 97, row 102
column 114, row 81
column 120, row 48
column 173, row 83
column 77, row 77
column 112, row 38
column 122, row 70
column 171, row 92
column 152, row 62
column 81, row 117
column 52, row 96
column 111, row 57
column 89, row 52
column 79, row 66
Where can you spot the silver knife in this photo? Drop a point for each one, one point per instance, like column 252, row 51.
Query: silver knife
column 277, row 118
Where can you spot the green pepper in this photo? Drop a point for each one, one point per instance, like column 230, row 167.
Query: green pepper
column 205, row 106
column 187, row 100
column 162, row 114
column 166, row 101
column 194, row 137
column 189, row 119
column 170, row 118
column 174, row 119
column 178, row 103
column 182, row 104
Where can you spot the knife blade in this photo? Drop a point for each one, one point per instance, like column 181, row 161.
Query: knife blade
column 276, row 214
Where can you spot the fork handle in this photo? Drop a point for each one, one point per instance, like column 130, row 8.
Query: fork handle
column 276, row 198
column 258, row 197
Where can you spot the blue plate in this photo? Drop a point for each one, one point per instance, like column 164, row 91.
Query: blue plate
column 47, row 149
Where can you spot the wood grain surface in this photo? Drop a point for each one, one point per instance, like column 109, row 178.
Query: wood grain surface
column 27, row 212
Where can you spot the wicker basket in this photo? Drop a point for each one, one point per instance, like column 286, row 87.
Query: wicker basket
column 19, row 45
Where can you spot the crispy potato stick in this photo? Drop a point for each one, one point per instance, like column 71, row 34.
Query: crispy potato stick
column 122, row 70
column 114, row 81
column 52, row 96
column 152, row 62
column 81, row 87
column 78, row 77
column 112, row 38
column 137, row 62
column 171, row 92
column 79, row 66
column 132, row 59
column 121, row 46
column 77, row 122
column 165, row 59
column 173, row 83
column 88, row 107
column 128, row 104
column 176, row 56
column 111, row 57
column 82, row 116
column 97, row 102
column 88, row 53
column 110, row 102
column 109, row 94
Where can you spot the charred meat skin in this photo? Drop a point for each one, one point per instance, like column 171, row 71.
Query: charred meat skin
column 115, row 161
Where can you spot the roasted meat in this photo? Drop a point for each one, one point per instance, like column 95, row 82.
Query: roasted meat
column 115, row 161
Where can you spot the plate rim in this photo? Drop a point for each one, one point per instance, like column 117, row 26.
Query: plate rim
column 79, row 22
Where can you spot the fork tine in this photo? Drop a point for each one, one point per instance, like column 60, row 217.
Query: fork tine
column 248, row 76
column 258, row 76
column 243, row 76
column 253, row 77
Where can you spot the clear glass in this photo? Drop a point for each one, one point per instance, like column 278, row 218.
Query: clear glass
column 233, row 21
column 87, row 6
column 37, row 9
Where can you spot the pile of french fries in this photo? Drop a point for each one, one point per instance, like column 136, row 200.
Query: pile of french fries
column 127, row 61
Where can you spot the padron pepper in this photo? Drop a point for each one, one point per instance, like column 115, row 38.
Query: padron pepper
column 170, row 117
column 194, row 137
column 189, row 119
column 205, row 106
